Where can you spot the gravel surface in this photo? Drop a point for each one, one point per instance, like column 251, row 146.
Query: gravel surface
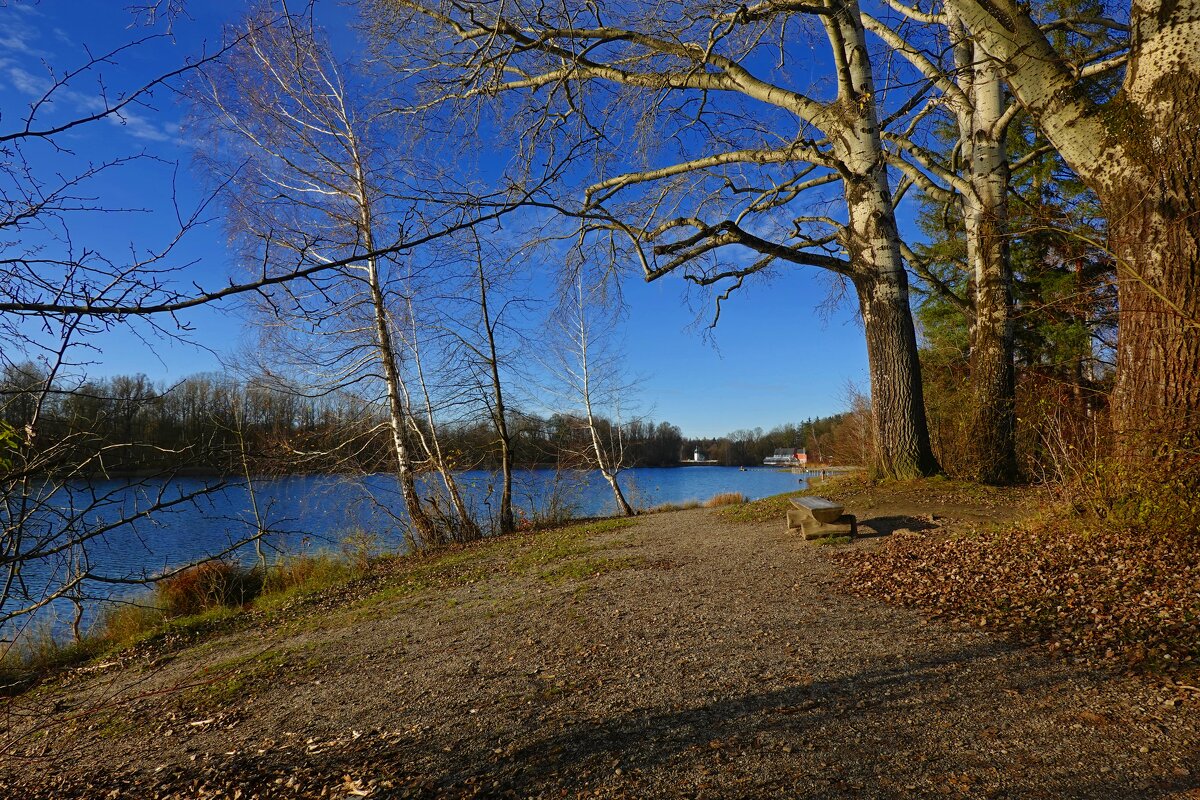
column 681, row 656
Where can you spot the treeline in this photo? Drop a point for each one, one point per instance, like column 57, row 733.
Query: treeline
column 827, row 440
column 216, row 423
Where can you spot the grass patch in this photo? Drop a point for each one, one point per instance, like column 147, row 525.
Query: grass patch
column 517, row 555
column 584, row 568
column 725, row 499
column 768, row 509
column 563, row 543
column 233, row 679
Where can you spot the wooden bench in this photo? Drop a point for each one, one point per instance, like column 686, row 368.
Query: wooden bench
column 819, row 518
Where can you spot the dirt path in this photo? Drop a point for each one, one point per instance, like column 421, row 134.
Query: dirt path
column 682, row 656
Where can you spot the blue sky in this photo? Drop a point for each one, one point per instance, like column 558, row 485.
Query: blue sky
column 774, row 358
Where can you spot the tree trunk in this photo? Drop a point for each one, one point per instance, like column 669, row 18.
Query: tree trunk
column 985, row 215
column 901, row 433
column 1140, row 153
column 902, row 448
column 1156, row 237
column 622, row 504
column 1154, row 231
column 425, row 533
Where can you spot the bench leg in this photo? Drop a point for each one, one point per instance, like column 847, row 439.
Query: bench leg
column 845, row 525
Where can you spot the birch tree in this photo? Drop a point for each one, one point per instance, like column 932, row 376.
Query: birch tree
column 1137, row 151
column 709, row 163
column 974, row 175
column 589, row 371
column 304, row 157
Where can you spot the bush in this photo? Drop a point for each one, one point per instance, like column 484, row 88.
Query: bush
column 1160, row 498
column 207, row 585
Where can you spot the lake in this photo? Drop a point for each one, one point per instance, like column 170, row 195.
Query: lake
column 312, row 512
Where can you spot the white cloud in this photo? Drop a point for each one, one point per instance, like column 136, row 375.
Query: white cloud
column 140, row 128
column 26, row 82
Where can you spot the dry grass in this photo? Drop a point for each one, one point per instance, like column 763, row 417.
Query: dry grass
column 725, row 499
column 196, row 598
column 662, row 508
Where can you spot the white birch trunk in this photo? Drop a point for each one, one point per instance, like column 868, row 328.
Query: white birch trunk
column 982, row 133
column 1140, row 152
column 902, row 448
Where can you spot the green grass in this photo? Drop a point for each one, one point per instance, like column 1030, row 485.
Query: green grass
column 517, row 555
column 832, row 541
column 584, row 568
column 768, row 509
column 225, row 682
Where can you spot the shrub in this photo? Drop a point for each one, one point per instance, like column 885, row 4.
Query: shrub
column 207, row 585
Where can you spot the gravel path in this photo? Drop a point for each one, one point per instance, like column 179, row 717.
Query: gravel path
column 680, row 657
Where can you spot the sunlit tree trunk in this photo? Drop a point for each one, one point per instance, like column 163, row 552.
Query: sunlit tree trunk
column 992, row 437
column 902, row 447
column 1140, row 153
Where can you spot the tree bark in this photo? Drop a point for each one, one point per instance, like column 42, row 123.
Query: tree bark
column 985, row 216
column 1156, row 237
column 1154, row 232
column 901, row 433
column 1140, row 153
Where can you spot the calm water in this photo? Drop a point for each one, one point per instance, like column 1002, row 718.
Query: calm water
column 314, row 512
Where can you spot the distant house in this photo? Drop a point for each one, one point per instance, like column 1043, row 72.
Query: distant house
column 787, row 457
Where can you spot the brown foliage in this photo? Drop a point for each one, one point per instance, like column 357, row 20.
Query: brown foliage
column 208, row 585
column 1108, row 595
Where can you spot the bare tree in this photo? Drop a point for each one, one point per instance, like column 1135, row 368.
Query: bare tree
column 481, row 330
column 589, row 372
column 748, row 157
column 318, row 178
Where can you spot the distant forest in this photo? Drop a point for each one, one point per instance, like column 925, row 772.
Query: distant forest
column 213, row 423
